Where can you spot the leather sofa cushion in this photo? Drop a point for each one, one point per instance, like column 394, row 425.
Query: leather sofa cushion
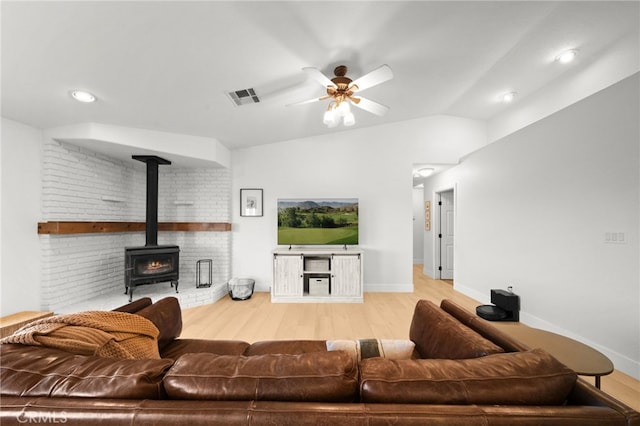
column 166, row 315
column 316, row 376
column 179, row 347
column 437, row 334
column 43, row 372
column 291, row 347
column 517, row 378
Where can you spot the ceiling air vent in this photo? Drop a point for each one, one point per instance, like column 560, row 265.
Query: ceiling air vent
column 243, row 97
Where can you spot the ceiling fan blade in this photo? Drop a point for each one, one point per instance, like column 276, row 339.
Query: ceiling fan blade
column 370, row 106
column 308, row 101
column 379, row 75
column 318, row 76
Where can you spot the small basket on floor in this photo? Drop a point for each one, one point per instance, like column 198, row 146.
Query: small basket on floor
column 240, row 288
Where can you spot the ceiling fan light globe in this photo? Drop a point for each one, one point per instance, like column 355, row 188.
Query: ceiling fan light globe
column 333, row 123
column 349, row 119
column 328, row 117
column 344, row 108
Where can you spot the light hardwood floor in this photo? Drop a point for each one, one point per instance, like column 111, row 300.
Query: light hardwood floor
column 382, row 315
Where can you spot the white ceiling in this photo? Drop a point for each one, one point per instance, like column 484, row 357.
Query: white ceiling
column 166, row 65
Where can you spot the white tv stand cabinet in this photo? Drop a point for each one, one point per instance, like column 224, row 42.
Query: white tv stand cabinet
column 317, row 275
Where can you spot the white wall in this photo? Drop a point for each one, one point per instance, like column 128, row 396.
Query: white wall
column 21, row 192
column 533, row 209
column 373, row 165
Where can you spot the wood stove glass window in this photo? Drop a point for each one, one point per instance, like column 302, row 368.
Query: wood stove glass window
column 154, row 264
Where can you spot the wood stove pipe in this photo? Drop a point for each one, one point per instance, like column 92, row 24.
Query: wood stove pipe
column 152, row 162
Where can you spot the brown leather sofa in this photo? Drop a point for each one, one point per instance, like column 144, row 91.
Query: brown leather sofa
column 463, row 372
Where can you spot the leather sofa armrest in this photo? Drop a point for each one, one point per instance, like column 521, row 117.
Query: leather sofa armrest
column 584, row 393
column 482, row 327
column 166, row 315
column 437, row 334
column 135, row 306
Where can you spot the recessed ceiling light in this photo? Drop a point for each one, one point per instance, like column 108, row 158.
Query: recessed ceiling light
column 508, row 97
column 82, row 96
column 424, row 172
column 567, row 56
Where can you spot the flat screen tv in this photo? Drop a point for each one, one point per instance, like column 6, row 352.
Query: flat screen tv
column 318, row 221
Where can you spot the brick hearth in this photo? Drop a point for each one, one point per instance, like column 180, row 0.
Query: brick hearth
column 189, row 297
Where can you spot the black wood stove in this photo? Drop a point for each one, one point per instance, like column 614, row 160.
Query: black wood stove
column 152, row 263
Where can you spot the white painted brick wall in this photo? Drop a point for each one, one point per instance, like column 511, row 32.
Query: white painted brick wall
column 75, row 180
column 83, row 266
column 79, row 267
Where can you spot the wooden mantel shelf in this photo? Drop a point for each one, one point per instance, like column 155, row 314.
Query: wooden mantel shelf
column 61, row 228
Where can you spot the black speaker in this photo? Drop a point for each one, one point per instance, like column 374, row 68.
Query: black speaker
column 507, row 307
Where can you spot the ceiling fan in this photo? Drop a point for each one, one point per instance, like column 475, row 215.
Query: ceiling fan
column 342, row 92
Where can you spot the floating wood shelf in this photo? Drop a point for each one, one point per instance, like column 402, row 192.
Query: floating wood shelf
column 61, row 228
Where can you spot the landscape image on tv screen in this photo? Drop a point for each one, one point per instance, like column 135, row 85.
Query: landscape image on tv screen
column 317, row 221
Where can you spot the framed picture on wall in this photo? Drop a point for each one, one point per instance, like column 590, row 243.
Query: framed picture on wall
column 251, row 202
column 427, row 215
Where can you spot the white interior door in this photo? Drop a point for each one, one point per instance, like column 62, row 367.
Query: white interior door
column 446, row 234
